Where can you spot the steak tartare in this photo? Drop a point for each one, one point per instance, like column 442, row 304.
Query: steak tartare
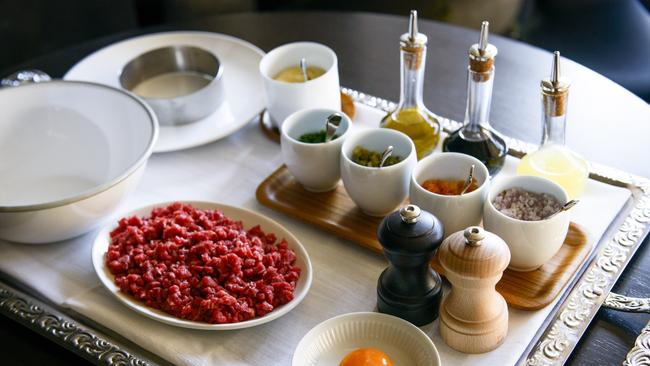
column 200, row 265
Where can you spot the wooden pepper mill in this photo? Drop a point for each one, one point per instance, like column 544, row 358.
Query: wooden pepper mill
column 409, row 288
column 474, row 316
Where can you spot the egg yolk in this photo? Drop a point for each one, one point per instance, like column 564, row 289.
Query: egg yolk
column 366, row 357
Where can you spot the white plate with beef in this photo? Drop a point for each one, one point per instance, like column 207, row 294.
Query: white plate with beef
column 202, row 265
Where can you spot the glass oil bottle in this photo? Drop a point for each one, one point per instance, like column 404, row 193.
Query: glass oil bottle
column 476, row 137
column 411, row 116
column 554, row 160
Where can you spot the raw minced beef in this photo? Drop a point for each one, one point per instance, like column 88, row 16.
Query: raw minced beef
column 200, row 265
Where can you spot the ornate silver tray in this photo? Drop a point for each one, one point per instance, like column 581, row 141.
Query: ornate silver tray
column 552, row 345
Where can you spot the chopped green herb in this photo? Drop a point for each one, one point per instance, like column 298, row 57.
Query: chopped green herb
column 315, row 137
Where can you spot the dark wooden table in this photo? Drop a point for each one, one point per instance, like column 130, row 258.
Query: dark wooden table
column 607, row 124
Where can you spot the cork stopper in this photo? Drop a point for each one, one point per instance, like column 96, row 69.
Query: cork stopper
column 413, row 43
column 555, row 90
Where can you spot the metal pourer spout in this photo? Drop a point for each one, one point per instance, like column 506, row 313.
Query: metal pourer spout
column 413, row 25
column 413, row 38
column 555, row 71
column 555, row 90
column 555, row 84
column 483, row 39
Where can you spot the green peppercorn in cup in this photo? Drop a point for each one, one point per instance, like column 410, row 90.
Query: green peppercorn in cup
column 377, row 191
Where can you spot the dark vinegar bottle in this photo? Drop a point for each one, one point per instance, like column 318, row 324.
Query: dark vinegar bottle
column 476, row 137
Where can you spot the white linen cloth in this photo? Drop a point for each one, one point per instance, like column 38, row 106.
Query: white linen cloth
column 345, row 274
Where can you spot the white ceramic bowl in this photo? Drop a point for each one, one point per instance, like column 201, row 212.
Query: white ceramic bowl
column 71, row 151
column 315, row 166
column 378, row 191
column 249, row 219
column 283, row 98
column 455, row 212
column 328, row 342
column 531, row 243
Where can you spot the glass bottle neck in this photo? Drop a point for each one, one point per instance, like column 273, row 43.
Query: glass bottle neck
column 412, row 61
column 479, row 98
column 554, row 130
column 553, row 120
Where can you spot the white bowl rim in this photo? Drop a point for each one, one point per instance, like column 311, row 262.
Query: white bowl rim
column 546, row 181
column 362, row 133
column 366, row 314
column 298, row 114
column 163, row 317
column 327, row 49
column 453, row 155
column 109, row 184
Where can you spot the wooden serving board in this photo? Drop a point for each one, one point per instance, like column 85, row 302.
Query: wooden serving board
column 335, row 212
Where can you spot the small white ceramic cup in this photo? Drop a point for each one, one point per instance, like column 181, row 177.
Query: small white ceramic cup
column 456, row 212
column 378, row 191
column 315, row 166
column 531, row 243
column 283, row 98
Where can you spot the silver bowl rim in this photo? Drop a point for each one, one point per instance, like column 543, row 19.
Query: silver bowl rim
column 217, row 78
column 106, row 185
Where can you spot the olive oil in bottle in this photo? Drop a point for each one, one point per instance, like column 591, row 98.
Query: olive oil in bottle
column 476, row 137
column 554, row 160
column 411, row 116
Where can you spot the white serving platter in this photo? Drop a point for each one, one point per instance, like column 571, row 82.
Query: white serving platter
column 615, row 210
column 243, row 82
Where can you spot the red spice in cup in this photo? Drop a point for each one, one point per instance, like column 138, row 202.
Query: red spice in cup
column 448, row 187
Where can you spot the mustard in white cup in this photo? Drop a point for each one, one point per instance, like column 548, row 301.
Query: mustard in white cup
column 284, row 98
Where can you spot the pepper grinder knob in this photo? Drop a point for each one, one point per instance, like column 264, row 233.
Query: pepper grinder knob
column 409, row 288
column 410, row 214
column 474, row 235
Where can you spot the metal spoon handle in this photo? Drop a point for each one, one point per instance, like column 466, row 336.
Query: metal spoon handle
column 468, row 182
column 385, row 155
column 332, row 123
column 567, row 206
column 303, row 69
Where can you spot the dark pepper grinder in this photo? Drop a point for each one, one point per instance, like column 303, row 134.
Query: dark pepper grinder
column 409, row 288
